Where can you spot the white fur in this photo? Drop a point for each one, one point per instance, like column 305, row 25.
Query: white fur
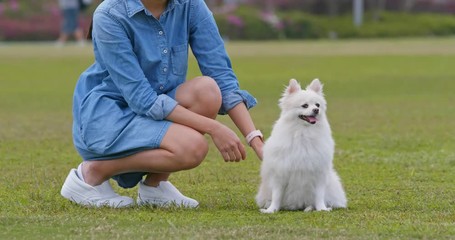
column 297, row 171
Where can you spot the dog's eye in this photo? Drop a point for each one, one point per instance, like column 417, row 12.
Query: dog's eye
column 305, row 105
column 317, row 105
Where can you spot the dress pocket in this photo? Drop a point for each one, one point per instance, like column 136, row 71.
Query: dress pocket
column 179, row 59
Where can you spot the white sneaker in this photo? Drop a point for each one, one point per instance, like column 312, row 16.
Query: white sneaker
column 163, row 196
column 76, row 190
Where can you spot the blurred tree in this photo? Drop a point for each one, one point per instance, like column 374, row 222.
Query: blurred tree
column 407, row 5
column 332, row 7
column 378, row 6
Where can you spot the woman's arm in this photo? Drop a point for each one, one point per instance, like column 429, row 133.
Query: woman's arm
column 242, row 119
column 227, row 142
column 114, row 52
column 209, row 50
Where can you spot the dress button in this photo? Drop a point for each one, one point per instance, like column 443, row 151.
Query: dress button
column 165, row 51
column 160, row 32
column 165, row 69
column 161, row 87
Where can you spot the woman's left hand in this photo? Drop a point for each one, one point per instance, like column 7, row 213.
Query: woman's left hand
column 257, row 145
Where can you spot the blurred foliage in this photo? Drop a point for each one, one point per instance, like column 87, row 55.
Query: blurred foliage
column 17, row 9
column 34, row 19
column 249, row 25
column 40, row 20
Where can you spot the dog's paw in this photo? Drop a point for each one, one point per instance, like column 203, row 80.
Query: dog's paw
column 308, row 209
column 326, row 209
column 269, row 210
column 311, row 208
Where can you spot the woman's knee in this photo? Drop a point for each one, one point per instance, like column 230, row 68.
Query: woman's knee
column 208, row 96
column 200, row 95
column 194, row 152
column 187, row 146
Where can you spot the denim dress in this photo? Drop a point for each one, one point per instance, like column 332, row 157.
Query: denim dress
column 121, row 101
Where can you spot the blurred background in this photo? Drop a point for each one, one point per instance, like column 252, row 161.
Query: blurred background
column 39, row 20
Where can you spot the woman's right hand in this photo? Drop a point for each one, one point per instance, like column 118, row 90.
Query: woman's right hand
column 228, row 143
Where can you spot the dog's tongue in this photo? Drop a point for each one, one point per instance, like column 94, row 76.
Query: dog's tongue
column 311, row 119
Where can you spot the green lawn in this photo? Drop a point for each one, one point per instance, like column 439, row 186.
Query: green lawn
column 392, row 111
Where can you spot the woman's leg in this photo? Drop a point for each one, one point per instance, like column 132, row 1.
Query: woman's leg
column 200, row 95
column 175, row 153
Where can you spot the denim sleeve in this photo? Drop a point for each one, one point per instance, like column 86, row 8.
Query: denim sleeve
column 235, row 97
column 208, row 48
column 117, row 56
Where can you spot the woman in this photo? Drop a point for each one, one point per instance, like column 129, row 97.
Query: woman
column 135, row 115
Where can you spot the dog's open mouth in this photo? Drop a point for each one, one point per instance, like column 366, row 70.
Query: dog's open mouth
column 309, row 119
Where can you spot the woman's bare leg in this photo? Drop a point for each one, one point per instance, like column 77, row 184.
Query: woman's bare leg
column 200, row 95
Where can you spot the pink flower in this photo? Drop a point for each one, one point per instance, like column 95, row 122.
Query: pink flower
column 272, row 19
column 235, row 20
column 14, row 5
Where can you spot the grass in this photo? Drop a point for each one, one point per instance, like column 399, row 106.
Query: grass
column 391, row 106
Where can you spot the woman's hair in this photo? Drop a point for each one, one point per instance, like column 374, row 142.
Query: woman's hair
column 89, row 34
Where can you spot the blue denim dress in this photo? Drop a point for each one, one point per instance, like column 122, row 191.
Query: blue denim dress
column 121, row 101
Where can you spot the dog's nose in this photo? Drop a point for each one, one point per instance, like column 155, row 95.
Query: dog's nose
column 316, row 110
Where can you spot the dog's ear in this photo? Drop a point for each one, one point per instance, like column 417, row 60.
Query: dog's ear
column 293, row 87
column 315, row 86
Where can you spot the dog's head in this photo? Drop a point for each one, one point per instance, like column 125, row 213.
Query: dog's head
column 307, row 106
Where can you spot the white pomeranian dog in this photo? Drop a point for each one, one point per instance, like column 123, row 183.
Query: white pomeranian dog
column 297, row 171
